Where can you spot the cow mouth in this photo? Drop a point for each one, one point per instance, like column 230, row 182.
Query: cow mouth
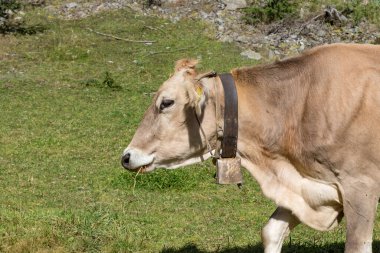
column 143, row 169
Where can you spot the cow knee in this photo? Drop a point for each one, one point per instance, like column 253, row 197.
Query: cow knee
column 273, row 231
column 267, row 235
column 273, row 235
column 277, row 229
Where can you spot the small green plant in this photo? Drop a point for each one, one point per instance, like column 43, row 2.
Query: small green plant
column 91, row 82
column 108, row 82
column 150, row 3
column 359, row 11
column 272, row 10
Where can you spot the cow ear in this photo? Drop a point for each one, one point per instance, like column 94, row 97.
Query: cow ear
column 186, row 64
column 200, row 97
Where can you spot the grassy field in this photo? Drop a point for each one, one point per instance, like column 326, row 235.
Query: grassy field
column 63, row 128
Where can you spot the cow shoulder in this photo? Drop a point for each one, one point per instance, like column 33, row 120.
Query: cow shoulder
column 316, row 203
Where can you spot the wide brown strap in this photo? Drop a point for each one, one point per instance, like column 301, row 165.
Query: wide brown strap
column 230, row 131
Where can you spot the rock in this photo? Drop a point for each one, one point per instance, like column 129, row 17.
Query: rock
column 227, row 39
column 81, row 14
column 232, row 5
column 35, row 2
column 271, row 54
column 321, row 33
column 251, row 54
column 302, row 46
column 71, row 6
column 9, row 12
column 219, row 21
column 203, row 15
column 169, row 1
column 242, row 39
column 100, row 7
column 334, row 17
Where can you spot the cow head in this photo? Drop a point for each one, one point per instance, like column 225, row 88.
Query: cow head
column 170, row 135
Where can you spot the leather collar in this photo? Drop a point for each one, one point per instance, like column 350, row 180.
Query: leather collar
column 231, row 126
column 228, row 140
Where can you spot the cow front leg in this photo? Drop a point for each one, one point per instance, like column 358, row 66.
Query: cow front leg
column 360, row 204
column 277, row 229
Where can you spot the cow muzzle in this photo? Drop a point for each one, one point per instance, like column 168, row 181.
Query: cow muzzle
column 136, row 160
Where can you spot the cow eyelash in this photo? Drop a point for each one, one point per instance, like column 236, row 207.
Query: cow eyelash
column 166, row 103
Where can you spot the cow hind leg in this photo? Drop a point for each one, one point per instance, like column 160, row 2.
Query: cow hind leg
column 277, row 229
column 360, row 204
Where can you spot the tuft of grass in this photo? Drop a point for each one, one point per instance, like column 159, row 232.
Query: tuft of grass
column 273, row 10
column 108, row 82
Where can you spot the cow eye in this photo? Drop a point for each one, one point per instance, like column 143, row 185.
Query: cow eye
column 166, row 103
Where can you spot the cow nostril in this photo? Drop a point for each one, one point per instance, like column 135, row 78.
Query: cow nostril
column 125, row 160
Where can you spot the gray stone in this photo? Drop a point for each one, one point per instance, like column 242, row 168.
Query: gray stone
column 219, row 21
column 321, row 33
column 302, row 46
column 271, row 54
column 251, row 54
column 81, row 14
column 235, row 4
column 243, row 39
column 170, row 1
column 71, row 5
column 203, row 15
column 227, row 39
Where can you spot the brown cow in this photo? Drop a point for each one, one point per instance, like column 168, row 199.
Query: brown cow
column 309, row 132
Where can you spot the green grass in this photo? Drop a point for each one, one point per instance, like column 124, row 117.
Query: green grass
column 62, row 132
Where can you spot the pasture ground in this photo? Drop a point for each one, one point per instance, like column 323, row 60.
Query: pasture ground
column 64, row 122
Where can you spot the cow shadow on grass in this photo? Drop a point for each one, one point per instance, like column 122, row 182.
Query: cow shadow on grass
column 258, row 248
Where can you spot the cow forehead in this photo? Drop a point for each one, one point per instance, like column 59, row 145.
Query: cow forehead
column 176, row 83
column 175, row 80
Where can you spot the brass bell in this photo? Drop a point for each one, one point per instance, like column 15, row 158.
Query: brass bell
column 228, row 171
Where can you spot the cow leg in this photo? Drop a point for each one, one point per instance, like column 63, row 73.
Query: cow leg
column 360, row 204
column 277, row 229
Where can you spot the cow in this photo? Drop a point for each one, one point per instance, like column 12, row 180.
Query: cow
column 309, row 133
